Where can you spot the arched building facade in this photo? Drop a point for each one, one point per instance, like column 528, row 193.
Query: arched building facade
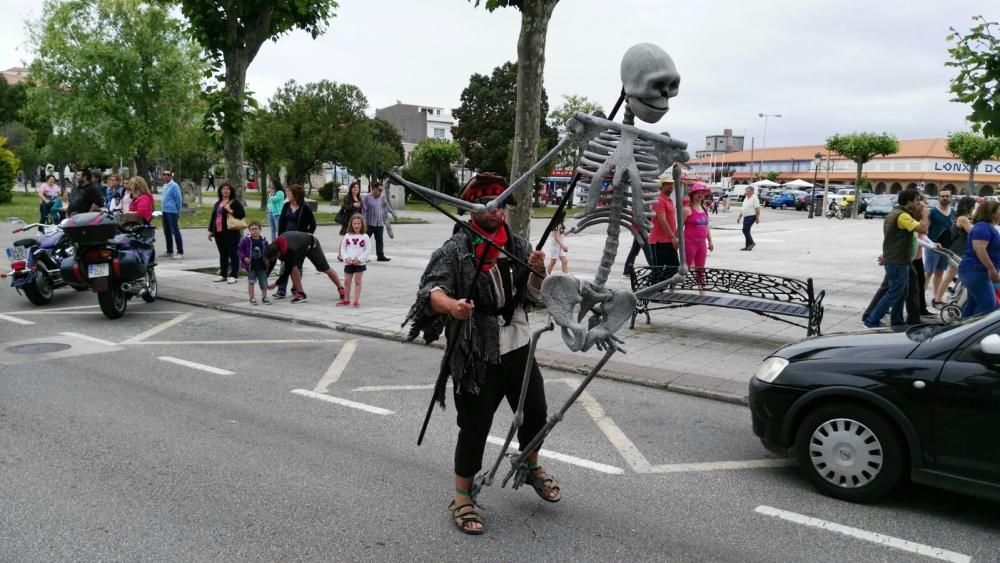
column 922, row 163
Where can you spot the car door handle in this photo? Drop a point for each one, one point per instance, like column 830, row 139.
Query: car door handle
column 918, row 384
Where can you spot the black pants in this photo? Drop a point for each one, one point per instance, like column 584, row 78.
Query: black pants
column 913, row 296
column 748, row 223
column 226, row 242
column 377, row 233
column 665, row 255
column 634, row 252
column 475, row 412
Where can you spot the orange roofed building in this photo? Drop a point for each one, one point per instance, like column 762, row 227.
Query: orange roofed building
column 922, row 163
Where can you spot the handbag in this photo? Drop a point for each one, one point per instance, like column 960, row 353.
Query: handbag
column 341, row 217
column 234, row 224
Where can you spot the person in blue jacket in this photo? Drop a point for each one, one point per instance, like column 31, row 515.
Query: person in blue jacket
column 170, row 205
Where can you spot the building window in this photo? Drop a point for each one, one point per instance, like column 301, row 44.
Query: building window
column 439, row 133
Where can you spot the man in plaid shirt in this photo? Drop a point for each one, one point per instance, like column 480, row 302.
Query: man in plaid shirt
column 375, row 209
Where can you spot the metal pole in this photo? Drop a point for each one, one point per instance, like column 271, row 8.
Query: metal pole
column 763, row 147
column 826, row 183
column 812, row 192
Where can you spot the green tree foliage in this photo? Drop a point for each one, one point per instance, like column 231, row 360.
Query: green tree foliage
column 560, row 115
column 120, row 73
column 972, row 149
column 862, row 147
column 375, row 147
column 529, row 112
column 486, row 119
column 434, row 157
column 12, row 101
column 231, row 34
column 976, row 55
column 312, row 124
column 8, row 172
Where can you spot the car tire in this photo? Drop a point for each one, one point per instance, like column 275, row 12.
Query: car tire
column 849, row 452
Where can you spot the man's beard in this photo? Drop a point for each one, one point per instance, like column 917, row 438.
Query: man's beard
column 490, row 224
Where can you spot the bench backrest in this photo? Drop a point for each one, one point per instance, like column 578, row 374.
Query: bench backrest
column 736, row 282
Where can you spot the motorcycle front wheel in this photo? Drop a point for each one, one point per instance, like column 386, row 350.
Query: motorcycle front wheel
column 112, row 302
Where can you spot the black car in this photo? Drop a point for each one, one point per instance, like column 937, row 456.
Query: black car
column 861, row 411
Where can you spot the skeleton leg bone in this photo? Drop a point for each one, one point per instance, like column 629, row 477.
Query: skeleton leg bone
column 519, row 467
column 486, row 479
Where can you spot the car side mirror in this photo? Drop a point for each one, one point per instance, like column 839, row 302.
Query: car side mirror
column 990, row 345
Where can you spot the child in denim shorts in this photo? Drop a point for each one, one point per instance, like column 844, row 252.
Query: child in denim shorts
column 251, row 255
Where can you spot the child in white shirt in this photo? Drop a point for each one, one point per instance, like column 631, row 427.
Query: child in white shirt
column 354, row 250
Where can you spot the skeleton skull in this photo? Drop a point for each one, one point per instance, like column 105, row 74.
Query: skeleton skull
column 650, row 80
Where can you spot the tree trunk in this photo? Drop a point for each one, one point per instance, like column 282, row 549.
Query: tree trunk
column 262, row 185
column 142, row 168
column 437, row 181
column 971, row 188
column 232, row 135
column 535, row 16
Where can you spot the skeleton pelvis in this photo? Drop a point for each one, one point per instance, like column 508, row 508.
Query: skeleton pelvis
column 569, row 301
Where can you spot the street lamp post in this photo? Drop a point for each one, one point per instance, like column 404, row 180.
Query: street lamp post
column 763, row 142
column 812, row 192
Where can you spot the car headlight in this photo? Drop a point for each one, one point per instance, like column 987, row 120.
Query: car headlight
column 771, row 368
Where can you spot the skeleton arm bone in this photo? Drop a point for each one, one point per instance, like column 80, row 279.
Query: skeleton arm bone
column 432, row 194
column 530, row 174
column 658, row 139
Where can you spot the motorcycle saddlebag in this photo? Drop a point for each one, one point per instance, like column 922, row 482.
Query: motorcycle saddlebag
column 89, row 228
column 130, row 266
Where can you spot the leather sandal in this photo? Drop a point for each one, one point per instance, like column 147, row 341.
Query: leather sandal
column 462, row 518
column 544, row 484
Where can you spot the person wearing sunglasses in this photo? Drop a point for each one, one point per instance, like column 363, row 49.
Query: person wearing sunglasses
column 491, row 349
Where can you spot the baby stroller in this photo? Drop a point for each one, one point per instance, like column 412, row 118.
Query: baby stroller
column 954, row 298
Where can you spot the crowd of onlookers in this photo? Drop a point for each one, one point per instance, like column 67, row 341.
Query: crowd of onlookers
column 925, row 248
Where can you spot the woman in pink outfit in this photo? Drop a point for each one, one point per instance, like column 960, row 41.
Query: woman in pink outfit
column 697, row 238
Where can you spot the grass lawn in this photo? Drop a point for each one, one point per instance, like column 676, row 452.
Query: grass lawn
column 25, row 206
column 538, row 212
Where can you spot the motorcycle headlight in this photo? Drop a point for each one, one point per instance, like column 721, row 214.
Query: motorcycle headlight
column 770, row 369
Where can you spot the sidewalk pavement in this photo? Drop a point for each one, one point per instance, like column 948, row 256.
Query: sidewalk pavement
column 707, row 351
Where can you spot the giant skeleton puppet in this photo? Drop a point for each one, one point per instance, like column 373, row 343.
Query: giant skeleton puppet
column 588, row 313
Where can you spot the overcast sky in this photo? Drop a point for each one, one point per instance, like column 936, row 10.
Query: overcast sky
column 827, row 67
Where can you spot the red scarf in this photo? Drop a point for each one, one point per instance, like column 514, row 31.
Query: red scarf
column 499, row 238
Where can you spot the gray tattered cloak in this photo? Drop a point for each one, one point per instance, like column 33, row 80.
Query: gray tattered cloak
column 452, row 269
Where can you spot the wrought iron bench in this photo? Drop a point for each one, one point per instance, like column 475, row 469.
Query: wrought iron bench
column 766, row 295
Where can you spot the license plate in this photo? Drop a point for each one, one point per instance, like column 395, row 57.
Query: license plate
column 17, row 252
column 97, row 270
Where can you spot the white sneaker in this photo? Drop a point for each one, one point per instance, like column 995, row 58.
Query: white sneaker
column 178, row 256
column 220, row 279
column 231, row 280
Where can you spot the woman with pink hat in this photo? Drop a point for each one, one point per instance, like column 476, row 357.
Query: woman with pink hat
column 697, row 238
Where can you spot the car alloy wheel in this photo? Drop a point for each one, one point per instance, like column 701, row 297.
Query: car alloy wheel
column 849, row 452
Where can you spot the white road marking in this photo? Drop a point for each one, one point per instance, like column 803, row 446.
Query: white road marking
column 881, row 539
column 194, row 365
column 342, row 402
column 158, row 329
column 618, row 439
column 337, row 366
column 89, row 338
column 228, row 342
column 48, row 311
column 609, row 469
column 638, row 462
column 15, row 320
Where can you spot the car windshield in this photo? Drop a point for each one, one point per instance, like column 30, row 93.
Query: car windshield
column 884, row 199
column 960, row 328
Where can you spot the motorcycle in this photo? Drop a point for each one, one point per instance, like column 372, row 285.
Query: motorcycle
column 114, row 257
column 35, row 262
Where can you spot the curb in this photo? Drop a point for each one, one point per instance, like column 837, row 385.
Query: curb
column 544, row 359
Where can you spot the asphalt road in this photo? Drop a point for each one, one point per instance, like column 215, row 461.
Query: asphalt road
column 186, row 434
